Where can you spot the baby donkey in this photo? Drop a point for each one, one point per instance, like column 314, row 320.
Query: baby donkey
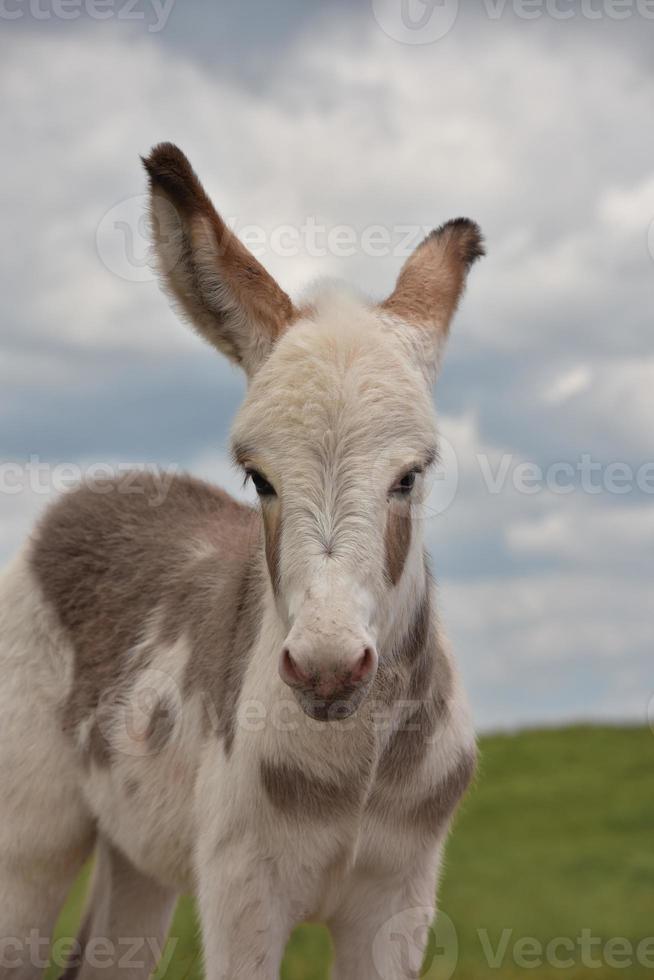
column 254, row 706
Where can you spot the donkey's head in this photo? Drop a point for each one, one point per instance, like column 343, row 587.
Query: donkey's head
column 337, row 430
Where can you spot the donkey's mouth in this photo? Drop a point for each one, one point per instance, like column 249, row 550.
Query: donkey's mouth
column 335, row 708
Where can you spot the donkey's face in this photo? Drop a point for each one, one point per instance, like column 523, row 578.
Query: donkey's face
column 337, row 430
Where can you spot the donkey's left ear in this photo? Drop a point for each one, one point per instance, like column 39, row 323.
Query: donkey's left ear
column 217, row 283
column 432, row 281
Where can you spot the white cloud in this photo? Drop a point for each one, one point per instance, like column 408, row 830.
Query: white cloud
column 627, row 210
column 18, row 513
column 612, row 406
column 552, row 646
column 621, row 404
column 396, row 153
column 217, row 468
column 489, row 492
column 589, row 535
column 569, row 384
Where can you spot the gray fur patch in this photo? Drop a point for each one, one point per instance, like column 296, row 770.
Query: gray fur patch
column 132, row 786
column 297, row 794
column 160, row 726
column 97, row 749
column 107, row 559
column 423, row 678
column 435, row 810
column 222, row 640
column 420, row 677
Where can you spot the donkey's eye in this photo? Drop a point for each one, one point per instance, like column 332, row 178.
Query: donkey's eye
column 261, row 485
column 405, row 484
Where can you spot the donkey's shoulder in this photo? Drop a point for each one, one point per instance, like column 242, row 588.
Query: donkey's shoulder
column 142, row 559
column 111, row 552
column 128, row 516
column 136, row 529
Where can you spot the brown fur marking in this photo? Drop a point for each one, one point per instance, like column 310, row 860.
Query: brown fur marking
column 272, row 528
column 397, row 540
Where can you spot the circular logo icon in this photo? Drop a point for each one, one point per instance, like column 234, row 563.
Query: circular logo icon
column 143, row 720
column 435, row 490
column 124, row 238
column 416, row 21
column 442, row 481
column 413, row 943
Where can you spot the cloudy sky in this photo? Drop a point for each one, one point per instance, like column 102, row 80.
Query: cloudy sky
column 386, row 118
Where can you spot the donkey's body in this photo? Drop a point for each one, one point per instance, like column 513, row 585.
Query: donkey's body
column 143, row 712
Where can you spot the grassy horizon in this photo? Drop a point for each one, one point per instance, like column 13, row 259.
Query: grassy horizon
column 554, row 846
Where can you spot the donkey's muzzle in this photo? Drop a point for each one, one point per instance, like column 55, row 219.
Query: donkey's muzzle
column 333, row 693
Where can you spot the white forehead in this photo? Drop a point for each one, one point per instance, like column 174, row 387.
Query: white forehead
column 344, row 373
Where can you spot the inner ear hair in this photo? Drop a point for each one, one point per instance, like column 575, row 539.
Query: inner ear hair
column 433, row 278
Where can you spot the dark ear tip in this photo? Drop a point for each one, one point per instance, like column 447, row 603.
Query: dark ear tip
column 169, row 169
column 466, row 236
column 163, row 157
column 167, row 162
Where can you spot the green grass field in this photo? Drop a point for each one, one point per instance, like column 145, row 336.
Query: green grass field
column 554, row 843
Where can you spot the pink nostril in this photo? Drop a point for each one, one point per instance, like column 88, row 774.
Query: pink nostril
column 290, row 672
column 365, row 666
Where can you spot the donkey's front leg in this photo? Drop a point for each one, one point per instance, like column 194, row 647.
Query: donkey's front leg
column 382, row 926
column 244, row 909
column 126, row 921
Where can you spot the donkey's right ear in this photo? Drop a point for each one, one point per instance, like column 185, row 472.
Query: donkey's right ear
column 217, row 283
